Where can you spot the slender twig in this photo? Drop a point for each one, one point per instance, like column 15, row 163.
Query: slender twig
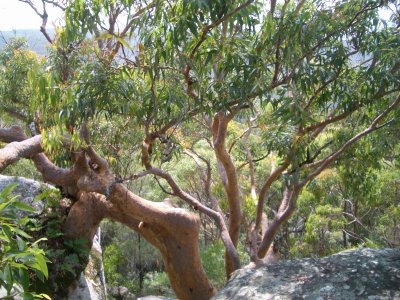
column 211, row 26
column 162, row 188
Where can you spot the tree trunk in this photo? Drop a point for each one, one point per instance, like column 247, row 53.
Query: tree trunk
column 344, row 233
column 174, row 231
column 286, row 209
column 229, row 178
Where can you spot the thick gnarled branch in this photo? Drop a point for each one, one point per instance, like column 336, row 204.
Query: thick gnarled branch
column 177, row 191
column 14, row 151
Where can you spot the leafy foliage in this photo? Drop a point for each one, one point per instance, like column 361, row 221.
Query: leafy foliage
column 16, row 61
column 308, row 78
column 19, row 256
column 157, row 283
column 130, row 261
column 67, row 256
column 28, row 269
column 214, row 263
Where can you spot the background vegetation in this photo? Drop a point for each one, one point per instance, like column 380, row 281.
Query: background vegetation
column 296, row 82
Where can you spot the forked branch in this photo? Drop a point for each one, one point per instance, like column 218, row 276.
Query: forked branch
column 322, row 164
column 177, row 191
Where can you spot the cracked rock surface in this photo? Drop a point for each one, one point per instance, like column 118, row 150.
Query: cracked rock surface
column 353, row 274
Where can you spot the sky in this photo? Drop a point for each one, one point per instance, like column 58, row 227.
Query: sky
column 18, row 15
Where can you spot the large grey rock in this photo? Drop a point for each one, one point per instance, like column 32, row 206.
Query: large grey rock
column 27, row 189
column 121, row 292
column 91, row 284
column 353, row 274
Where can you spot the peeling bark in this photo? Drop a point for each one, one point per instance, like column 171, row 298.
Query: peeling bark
column 219, row 128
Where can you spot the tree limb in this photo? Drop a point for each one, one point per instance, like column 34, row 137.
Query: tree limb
column 211, row 26
column 14, row 151
column 322, row 164
column 286, row 208
column 334, row 118
column 264, row 190
column 177, row 191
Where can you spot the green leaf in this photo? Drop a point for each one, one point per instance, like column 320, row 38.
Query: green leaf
column 8, row 233
column 28, row 296
column 41, row 263
column 8, row 278
column 5, row 204
column 23, row 206
column 7, row 190
column 124, row 43
column 43, row 296
column 18, row 266
column 21, row 244
column 39, row 274
column 104, row 36
column 24, row 278
column 20, row 232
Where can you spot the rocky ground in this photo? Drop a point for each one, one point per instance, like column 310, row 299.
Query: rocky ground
column 353, row 274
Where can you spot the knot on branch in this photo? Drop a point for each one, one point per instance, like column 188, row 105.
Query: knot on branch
column 93, row 171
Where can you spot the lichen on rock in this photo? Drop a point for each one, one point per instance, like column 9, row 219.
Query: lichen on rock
column 26, row 189
column 352, row 274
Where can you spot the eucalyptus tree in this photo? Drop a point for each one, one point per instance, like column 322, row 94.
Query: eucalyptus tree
column 301, row 76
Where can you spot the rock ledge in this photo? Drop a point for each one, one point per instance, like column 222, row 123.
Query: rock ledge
column 352, row 274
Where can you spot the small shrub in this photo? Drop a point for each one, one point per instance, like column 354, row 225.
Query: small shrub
column 20, row 257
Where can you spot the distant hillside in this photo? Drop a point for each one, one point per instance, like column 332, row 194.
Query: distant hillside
column 37, row 42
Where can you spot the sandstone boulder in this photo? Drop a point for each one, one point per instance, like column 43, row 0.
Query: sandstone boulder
column 353, row 274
